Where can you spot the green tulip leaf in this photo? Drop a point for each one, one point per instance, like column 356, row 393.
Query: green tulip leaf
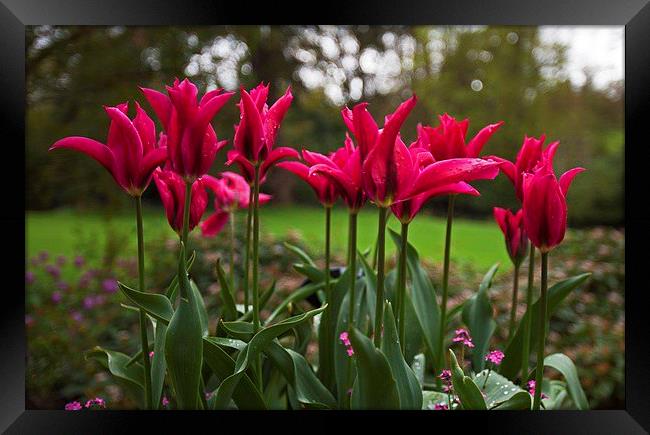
column 300, row 253
column 238, row 329
column 564, row 365
column 408, row 387
column 497, row 389
column 298, row 295
column 184, row 343
column 375, row 386
column 512, row 362
column 424, row 301
column 314, row 274
column 229, row 309
column 158, row 363
column 308, row 390
column 257, row 344
column 156, row 305
column 246, row 395
column 131, row 377
column 477, row 315
column 468, row 392
column 172, row 289
column 432, row 398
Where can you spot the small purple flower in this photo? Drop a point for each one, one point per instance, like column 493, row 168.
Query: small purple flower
column 165, row 401
column 531, row 390
column 447, row 389
column 62, row 285
column 462, row 336
column 29, row 277
column 79, row 261
column 345, row 339
column 77, row 316
column 440, row 407
column 43, row 255
column 109, row 285
column 495, row 357
column 61, row 260
column 89, row 302
column 73, row 406
column 29, row 320
column 56, row 297
column 445, row 375
column 53, row 270
column 97, row 401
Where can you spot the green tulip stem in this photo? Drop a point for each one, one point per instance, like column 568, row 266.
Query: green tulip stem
column 249, row 225
column 352, row 267
column 543, row 314
column 143, row 317
column 381, row 260
column 232, row 251
column 328, row 227
column 186, row 215
column 256, row 258
column 513, row 307
column 401, row 290
column 529, row 318
column 445, row 279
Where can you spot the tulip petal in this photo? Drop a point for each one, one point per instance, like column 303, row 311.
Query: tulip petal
column 125, row 142
column 246, row 167
column 475, row 146
column 150, row 161
column 365, row 128
column 275, row 116
column 92, row 148
column 161, row 105
column 454, row 170
column 275, row 156
column 146, row 129
column 210, row 108
column 249, row 134
column 214, row 224
column 567, row 178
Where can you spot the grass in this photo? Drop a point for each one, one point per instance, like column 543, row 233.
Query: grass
column 477, row 242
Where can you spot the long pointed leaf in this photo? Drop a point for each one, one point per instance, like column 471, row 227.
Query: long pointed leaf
column 375, row 385
column 250, row 352
column 408, row 387
column 556, row 294
column 477, row 315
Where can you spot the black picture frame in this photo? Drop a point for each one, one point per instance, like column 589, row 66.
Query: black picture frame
column 16, row 14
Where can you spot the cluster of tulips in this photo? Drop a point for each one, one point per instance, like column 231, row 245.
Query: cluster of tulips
column 361, row 334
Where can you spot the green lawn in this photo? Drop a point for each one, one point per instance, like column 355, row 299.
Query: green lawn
column 478, row 242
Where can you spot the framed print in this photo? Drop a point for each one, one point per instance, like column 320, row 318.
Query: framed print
column 410, row 209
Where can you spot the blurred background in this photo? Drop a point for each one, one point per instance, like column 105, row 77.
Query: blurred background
column 565, row 82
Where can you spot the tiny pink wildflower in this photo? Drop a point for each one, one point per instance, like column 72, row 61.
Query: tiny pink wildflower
column 151, row 354
column 97, row 401
column 445, row 375
column 73, row 406
column 165, row 401
column 345, row 338
column 462, row 336
column 440, row 407
column 495, row 357
column 531, row 389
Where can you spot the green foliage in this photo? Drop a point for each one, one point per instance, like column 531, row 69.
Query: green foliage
column 375, row 386
column 183, row 341
column 478, row 316
column 513, row 353
column 564, row 365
